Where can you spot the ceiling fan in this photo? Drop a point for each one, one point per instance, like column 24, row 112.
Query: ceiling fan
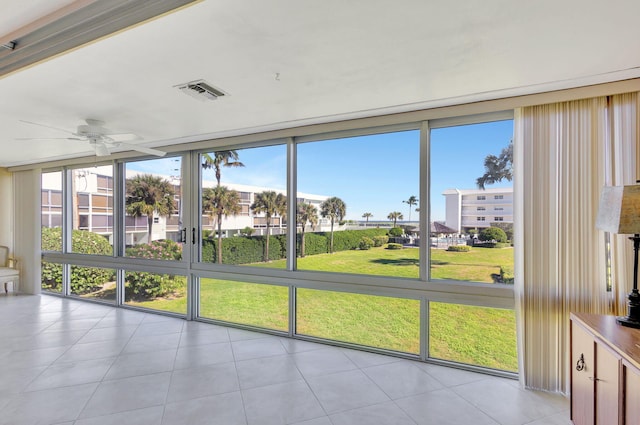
column 100, row 138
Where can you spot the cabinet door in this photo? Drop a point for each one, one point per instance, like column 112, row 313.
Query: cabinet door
column 607, row 386
column 582, row 374
column 631, row 392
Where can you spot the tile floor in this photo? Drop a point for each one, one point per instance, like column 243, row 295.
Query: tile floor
column 70, row 362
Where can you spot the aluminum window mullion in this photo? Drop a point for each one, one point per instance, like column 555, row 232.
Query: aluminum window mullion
column 425, row 205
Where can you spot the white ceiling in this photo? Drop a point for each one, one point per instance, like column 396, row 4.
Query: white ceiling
column 291, row 62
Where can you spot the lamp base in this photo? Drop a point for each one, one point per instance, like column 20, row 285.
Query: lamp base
column 628, row 321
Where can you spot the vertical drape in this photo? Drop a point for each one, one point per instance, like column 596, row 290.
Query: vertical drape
column 561, row 257
column 27, row 209
column 622, row 152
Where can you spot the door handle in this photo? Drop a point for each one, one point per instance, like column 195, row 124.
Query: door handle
column 580, row 363
column 193, row 235
column 183, row 236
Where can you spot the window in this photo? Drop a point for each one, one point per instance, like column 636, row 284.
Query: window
column 498, row 218
column 480, row 208
column 244, row 196
column 343, row 186
column 151, row 188
column 481, row 197
column 498, row 209
column 498, row 197
column 89, row 236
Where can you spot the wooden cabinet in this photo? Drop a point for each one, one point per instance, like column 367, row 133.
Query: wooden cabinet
column 605, row 371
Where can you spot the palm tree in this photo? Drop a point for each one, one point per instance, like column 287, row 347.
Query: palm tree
column 366, row 216
column 411, row 201
column 148, row 195
column 271, row 204
column 335, row 209
column 395, row 216
column 307, row 213
column 497, row 168
column 221, row 159
column 219, row 201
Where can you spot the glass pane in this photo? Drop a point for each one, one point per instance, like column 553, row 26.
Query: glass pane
column 265, row 306
column 51, row 194
column 358, row 212
column 375, row 321
column 472, row 226
column 93, row 283
column 153, row 219
column 244, row 205
column 51, row 277
column 479, row 336
column 92, row 216
column 156, row 291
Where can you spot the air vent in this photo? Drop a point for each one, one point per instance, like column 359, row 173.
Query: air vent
column 201, row 90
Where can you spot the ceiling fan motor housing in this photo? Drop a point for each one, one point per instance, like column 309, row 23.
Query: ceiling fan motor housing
column 93, row 129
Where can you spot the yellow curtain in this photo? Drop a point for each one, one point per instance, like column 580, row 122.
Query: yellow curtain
column 563, row 154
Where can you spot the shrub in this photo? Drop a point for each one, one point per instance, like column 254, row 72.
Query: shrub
column 394, row 246
column 365, row 243
column 396, row 231
column 141, row 285
column 459, row 248
column 506, row 274
column 492, row 234
column 380, row 240
column 83, row 279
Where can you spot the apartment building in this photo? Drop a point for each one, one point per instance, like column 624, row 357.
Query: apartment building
column 468, row 209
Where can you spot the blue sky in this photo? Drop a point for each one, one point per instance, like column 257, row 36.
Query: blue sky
column 370, row 173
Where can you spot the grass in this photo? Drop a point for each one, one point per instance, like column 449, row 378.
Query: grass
column 475, row 335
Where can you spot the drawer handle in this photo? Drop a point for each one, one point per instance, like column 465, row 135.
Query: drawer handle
column 591, row 378
column 580, row 363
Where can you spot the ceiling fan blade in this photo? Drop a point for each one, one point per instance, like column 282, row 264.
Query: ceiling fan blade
column 122, row 137
column 47, row 126
column 142, row 149
column 48, row 138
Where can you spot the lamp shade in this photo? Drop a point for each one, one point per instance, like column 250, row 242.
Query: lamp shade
column 619, row 210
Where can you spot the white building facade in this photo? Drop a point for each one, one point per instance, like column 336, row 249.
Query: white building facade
column 468, row 209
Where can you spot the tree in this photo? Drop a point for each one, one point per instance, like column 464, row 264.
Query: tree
column 148, row 195
column 271, row 204
column 497, row 168
column 219, row 201
column 492, row 234
column 411, row 201
column 395, row 216
column 335, row 209
column 307, row 213
column 221, row 159
column 366, row 216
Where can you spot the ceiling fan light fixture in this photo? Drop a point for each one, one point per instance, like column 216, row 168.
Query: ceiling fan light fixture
column 201, row 90
column 100, row 148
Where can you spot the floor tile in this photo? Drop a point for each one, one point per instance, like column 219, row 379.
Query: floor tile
column 137, row 364
column 517, row 406
column 159, row 328
column 322, row 362
column 281, row 404
column 450, row 376
column 202, row 355
column 146, row 416
column 378, row 414
column 365, row 359
column 561, row 418
column 203, row 381
column 46, row 407
column 74, row 373
column 324, row 420
column 141, row 344
column 203, row 336
column 255, row 348
column 30, row 358
column 443, row 407
column 127, row 394
column 346, row 390
column 221, row 409
column 92, row 350
column 15, row 380
column 402, row 379
column 108, row 333
column 267, row 371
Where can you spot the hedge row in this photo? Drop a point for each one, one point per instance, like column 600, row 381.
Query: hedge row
column 245, row 250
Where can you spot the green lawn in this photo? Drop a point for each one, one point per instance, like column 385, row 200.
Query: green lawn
column 475, row 335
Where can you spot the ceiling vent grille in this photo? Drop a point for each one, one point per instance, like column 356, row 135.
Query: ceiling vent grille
column 201, row 90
